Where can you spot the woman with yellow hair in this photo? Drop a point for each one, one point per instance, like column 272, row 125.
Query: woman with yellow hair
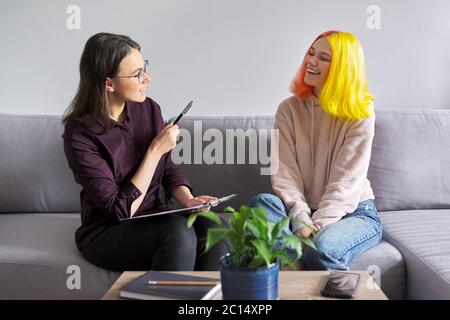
column 326, row 131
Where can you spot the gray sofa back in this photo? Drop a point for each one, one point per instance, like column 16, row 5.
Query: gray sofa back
column 409, row 167
column 34, row 175
column 410, row 164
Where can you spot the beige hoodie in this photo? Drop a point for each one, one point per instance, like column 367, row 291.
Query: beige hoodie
column 323, row 162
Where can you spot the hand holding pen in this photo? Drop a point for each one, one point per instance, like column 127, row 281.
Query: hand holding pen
column 189, row 105
column 166, row 140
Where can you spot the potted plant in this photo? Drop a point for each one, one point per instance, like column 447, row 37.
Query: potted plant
column 257, row 252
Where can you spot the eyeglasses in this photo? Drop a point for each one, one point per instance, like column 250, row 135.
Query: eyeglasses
column 141, row 75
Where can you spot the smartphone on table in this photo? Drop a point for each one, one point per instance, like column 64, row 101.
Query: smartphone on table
column 340, row 284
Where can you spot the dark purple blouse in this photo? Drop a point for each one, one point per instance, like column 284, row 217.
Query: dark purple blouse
column 104, row 163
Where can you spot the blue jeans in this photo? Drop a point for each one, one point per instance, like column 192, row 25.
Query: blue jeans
column 337, row 243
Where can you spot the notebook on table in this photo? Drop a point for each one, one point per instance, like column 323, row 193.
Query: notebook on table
column 142, row 290
column 212, row 203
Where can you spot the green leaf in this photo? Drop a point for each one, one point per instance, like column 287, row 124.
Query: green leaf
column 254, row 229
column 234, row 240
column 308, row 242
column 191, row 220
column 261, row 229
column 278, row 228
column 295, row 243
column 214, row 236
column 238, row 260
column 245, row 212
column 229, row 209
column 236, row 222
column 260, row 213
column 270, row 226
column 285, row 259
column 261, row 223
column 256, row 262
column 212, row 216
column 263, row 250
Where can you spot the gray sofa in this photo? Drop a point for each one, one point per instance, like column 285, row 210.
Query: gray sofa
column 39, row 202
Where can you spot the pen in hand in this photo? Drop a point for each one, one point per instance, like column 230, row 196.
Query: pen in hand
column 183, row 112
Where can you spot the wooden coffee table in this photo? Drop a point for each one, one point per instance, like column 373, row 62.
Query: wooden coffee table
column 293, row 285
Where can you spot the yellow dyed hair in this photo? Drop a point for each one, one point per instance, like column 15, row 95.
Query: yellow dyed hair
column 345, row 93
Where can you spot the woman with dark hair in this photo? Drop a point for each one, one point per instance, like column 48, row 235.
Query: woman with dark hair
column 326, row 131
column 118, row 147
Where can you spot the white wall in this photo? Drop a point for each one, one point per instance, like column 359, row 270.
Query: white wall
column 232, row 57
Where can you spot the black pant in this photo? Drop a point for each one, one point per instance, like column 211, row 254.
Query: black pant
column 156, row 243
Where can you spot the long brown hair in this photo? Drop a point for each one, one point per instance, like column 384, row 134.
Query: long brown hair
column 101, row 58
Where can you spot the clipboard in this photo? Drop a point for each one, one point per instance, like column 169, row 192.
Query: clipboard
column 211, row 203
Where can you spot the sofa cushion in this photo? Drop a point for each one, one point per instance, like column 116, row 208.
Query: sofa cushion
column 423, row 238
column 385, row 264
column 34, row 174
column 35, row 253
column 410, row 164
